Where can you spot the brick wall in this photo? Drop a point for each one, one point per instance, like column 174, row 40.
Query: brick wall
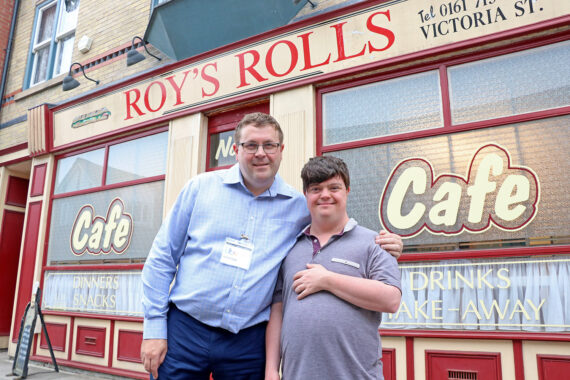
column 109, row 23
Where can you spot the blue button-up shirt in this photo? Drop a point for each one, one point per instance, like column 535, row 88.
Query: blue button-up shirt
column 212, row 207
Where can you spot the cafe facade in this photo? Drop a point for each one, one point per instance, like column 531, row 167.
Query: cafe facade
column 453, row 117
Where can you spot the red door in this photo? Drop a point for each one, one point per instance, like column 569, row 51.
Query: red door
column 10, row 240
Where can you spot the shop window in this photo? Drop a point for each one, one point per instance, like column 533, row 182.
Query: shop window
column 106, row 209
column 441, row 212
column 532, row 80
column 486, row 187
column 52, row 41
column 112, row 217
column 390, row 107
column 502, row 294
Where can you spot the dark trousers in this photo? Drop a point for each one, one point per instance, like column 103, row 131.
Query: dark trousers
column 195, row 350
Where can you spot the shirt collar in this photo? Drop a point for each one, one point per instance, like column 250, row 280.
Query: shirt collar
column 347, row 227
column 233, row 176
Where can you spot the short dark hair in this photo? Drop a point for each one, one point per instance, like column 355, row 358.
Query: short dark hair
column 322, row 168
column 258, row 120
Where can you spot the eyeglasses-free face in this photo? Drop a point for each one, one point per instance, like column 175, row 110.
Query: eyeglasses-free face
column 252, row 147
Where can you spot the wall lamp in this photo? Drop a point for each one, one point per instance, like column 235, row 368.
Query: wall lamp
column 69, row 83
column 133, row 56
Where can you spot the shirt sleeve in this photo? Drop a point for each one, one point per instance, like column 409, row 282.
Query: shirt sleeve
column 383, row 267
column 160, row 266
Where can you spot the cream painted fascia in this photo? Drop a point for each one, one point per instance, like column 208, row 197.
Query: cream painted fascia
column 14, row 156
column 49, row 160
column 187, row 141
column 133, row 326
column 504, row 347
column 97, row 323
column 295, row 110
column 533, row 348
column 399, row 344
column 60, row 320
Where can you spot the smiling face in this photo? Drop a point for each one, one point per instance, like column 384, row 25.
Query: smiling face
column 327, row 201
column 258, row 169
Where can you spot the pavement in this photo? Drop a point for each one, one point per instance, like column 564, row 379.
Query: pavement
column 45, row 371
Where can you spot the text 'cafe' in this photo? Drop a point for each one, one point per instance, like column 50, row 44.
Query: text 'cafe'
column 453, row 117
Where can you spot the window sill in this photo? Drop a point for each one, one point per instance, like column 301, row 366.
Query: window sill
column 56, row 81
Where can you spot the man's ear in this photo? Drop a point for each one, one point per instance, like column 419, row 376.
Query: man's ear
column 235, row 148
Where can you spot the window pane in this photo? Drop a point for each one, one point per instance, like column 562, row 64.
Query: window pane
column 528, row 81
column 41, row 64
column 64, row 52
column 79, row 172
column 390, row 107
column 144, row 157
column 509, row 294
column 68, row 19
column 524, row 201
column 45, row 29
column 100, row 292
column 112, row 225
column 221, row 152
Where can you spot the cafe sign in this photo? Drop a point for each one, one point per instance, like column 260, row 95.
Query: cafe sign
column 495, row 192
column 95, row 234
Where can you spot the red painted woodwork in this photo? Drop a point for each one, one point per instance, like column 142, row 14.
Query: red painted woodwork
column 57, row 336
column 519, row 359
column 410, row 358
column 129, row 346
column 90, row 341
column 17, row 192
column 227, row 120
column 28, row 263
column 38, row 180
column 446, row 365
column 553, row 367
column 10, row 241
column 389, row 363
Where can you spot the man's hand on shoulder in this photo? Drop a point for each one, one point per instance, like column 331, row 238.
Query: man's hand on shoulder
column 390, row 242
column 153, row 352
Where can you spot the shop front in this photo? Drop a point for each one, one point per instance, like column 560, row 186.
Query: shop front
column 453, row 119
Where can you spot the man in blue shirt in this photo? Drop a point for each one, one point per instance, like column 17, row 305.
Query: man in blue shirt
column 222, row 244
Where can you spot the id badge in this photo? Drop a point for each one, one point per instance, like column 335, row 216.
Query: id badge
column 237, row 253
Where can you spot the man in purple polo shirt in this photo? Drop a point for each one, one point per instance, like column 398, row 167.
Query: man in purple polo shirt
column 332, row 288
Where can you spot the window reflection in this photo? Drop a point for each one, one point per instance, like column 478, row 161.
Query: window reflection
column 136, row 159
column 80, row 172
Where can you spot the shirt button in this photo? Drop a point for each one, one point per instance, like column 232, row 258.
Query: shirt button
column 228, row 311
column 236, row 287
column 314, row 241
column 251, row 218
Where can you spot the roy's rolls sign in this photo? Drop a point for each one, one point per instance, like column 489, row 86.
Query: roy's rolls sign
column 495, row 191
